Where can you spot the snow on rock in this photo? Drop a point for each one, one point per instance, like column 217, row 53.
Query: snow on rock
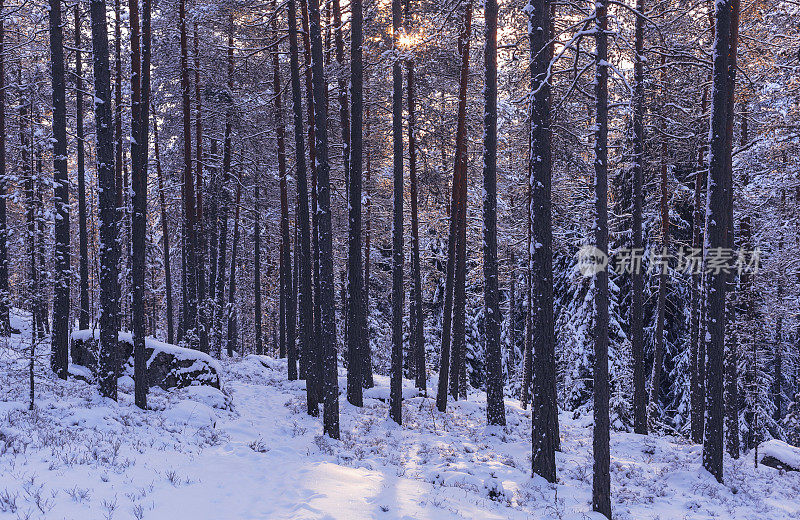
column 779, row 455
column 168, row 366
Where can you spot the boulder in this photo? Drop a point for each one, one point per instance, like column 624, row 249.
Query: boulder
column 779, row 455
column 168, row 366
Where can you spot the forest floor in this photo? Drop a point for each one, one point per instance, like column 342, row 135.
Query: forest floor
column 251, row 451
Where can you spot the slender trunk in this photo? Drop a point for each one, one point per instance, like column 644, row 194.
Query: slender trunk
column 224, row 202
column 457, row 365
column 307, row 345
column 716, row 225
column 60, row 340
column 545, row 434
column 109, row 282
column 327, row 338
column 140, row 94
column 257, row 270
column 396, row 383
column 356, row 345
column 200, row 228
column 189, row 193
column 5, row 295
column 367, row 359
column 731, row 343
column 601, row 487
column 637, row 276
column 663, row 275
column 230, row 311
column 291, row 304
column 495, row 408
column 164, row 232
column 448, row 367
column 417, row 322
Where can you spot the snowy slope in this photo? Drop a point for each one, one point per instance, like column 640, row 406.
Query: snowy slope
column 252, row 452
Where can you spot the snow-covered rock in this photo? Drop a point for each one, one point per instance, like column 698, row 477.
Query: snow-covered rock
column 168, row 366
column 779, row 455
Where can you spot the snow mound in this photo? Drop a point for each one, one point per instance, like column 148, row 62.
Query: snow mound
column 780, row 455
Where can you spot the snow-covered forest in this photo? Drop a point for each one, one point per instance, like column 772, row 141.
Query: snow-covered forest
column 399, row 259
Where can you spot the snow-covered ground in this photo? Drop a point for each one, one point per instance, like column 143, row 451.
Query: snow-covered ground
column 252, row 452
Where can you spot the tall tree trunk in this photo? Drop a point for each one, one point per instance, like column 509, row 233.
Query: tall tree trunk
column 637, row 276
column 696, row 393
column 545, row 434
column 601, row 487
column 663, row 275
column 225, row 200
column 716, row 226
column 164, row 232
column 327, row 338
column 356, row 344
column 84, row 317
column 140, row 83
column 731, row 343
column 457, row 365
column 230, row 311
column 448, row 365
column 5, row 295
column 396, row 383
column 291, row 304
column 189, row 193
column 312, row 155
column 257, row 269
column 200, row 232
column 118, row 157
column 367, row 358
column 308, row 347
column 511, row 361
column 109, row 283
column 417, row 322
column 60, row 341
column 495, row 407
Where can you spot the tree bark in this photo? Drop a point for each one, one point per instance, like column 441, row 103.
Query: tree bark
column 164, row 232
column 716, row 225
column 306, row 305
column 5, row 295
column 356, row 347
column 230, row 311
column 637, row 276
column 545, row 434
column 200, row 228
column 109, row 283
column 601, row 486
column 396, row 383
column 495, row 407
column 327, row 337
column 60, row 340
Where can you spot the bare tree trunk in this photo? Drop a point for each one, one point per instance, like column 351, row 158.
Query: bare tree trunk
column 731, row 344
column 230, row 344
column 164, row 232
column 140, row 100
column 367, row 359
column 5, row 295
column 716, row 226
column 356, row 345
column 544, row 409
column 109, row 283
column 495, row 407
column 60, row 340
column 327, row 338
column 637, row 276
column 308, row 347
column 396, row 383
column 200, row 229
column 601, row 486
column 189, row 193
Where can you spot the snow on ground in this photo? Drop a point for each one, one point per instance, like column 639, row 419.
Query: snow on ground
column 251, row 452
